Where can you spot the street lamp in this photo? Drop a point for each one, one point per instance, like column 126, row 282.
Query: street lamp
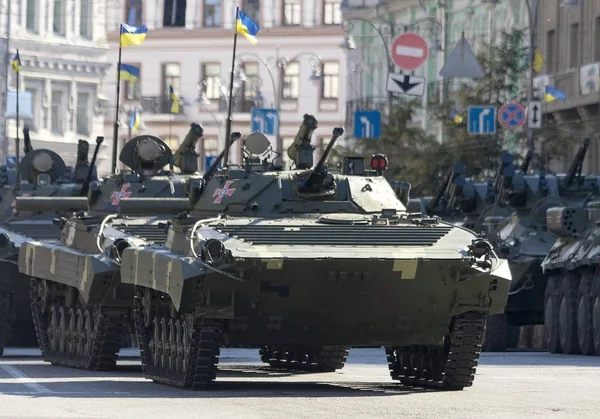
column 280, row 63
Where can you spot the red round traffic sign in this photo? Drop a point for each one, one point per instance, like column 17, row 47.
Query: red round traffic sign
column 409, row 51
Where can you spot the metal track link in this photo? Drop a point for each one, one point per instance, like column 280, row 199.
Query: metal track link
column 85, row 337
column 448, row 367
column 300, row 358
column 181, row 350
column 5, row 319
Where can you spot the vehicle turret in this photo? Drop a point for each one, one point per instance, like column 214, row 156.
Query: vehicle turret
column 186, row 157
column 146, row 155
column 41, row 167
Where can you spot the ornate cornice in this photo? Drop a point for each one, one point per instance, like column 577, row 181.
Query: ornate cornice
column 60, row 65
column 62, row 49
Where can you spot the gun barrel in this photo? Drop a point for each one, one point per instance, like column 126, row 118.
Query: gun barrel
column 137, row 206
column 51, row 203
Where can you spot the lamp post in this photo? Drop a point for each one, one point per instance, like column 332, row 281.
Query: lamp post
column 386, row 30
column 279, row 63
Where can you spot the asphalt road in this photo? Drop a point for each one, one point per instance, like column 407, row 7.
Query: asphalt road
column 509, row 385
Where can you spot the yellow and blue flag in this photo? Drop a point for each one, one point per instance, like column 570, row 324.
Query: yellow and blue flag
column 553, row 94
column 174, row 100
column 456, row 116
column 135, row 121
column 132, row 35
column 129, row 73
column 16, row 63
column 538, row 61
column 246, row 27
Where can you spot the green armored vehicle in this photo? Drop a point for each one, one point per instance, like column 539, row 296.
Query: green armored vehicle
column 40, row 173
column 80, row 310
column 306, row 263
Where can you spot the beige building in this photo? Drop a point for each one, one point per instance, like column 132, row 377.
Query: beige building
column 569, row 40
column 62, row 45
column 297, row 66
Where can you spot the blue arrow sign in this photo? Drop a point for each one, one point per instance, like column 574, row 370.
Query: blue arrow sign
column 11, row 161
column 482, row 120
column 208, row 161
column 367, row 124
column 264, row 120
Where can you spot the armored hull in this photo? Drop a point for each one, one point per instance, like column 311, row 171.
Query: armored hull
column 309, row 288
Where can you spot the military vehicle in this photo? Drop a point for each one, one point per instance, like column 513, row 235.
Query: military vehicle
column 306, row 263
column 40, row 173
column 80, row 308
column 526, row 241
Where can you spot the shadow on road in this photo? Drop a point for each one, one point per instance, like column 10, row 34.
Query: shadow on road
column 537, row 359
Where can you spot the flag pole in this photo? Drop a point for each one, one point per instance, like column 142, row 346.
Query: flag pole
column 116, row 126
column 230, row 101
column 170, row 120
column 18, row 146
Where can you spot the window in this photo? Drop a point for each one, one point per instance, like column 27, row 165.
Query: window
column 292, row 12
column 83, row 115
column 32, row 15
column 133, row 90
column 212, row 13
column 133, row 12
column 331, row 81
column 251, row 84
column 332, row 14
column 574, row 49
column 291, row 81
column 57, row 109
column 550, row 62
column 85, row 24
column 286, row 143
column 597, row 39
column 34, row 108
column 171, row 77
column 252, row 9
column 211, row 80
column 174, row 13
column 58, row 24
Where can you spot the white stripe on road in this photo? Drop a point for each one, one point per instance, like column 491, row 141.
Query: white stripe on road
column 25, row 380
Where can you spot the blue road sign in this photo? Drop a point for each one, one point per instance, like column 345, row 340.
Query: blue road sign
column 264, row 120
column 367, row 124
column 482, row 120
column 512, row 115
column 208, row 161
column 11, row 161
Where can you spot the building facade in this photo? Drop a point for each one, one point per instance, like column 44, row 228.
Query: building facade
column 296, row 67
column 62, row 45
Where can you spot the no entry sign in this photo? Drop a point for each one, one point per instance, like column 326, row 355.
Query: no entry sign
column 409, row 51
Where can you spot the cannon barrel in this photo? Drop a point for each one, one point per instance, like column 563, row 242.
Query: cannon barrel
column 301, row 151
column 51, row 203
column 135, row 206
column 577, row 164
column 186, row 157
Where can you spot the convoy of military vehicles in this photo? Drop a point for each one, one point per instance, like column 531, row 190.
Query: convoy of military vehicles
column 301, row 264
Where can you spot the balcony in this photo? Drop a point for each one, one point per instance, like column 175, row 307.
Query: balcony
column 240, row 105
column 156, row 105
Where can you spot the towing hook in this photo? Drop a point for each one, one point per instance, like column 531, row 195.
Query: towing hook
column 212, row 252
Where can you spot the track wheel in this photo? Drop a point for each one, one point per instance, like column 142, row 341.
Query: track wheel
column 585, row 335
column 595, row 302
column 551, row 315
column 567, row 313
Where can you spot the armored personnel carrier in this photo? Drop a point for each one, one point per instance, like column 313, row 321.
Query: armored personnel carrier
column 81, row 310
column 306, row 263
column 526, row 241
column 40, row 173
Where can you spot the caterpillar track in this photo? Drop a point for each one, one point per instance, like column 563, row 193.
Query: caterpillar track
column 450, row 366
column 180, row 350
column 75, row 335
column 5, row 319
column 313, row 359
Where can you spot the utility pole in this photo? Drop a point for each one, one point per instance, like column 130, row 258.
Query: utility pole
column 6, row 73
column 532, row 7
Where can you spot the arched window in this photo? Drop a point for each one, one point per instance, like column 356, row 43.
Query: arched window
column 133, row 12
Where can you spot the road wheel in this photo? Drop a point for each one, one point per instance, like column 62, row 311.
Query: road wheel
column 551, row 316
column 595, row 303
column 567, row 313
column 496, row 336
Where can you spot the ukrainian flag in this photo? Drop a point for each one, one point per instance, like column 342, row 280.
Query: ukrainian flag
column 174, row 100
column 16, row 63
column 456, row 117
column 129, row 73
column 131, row 35
column 245, row 26
column 135, row 121
column 553, row 94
